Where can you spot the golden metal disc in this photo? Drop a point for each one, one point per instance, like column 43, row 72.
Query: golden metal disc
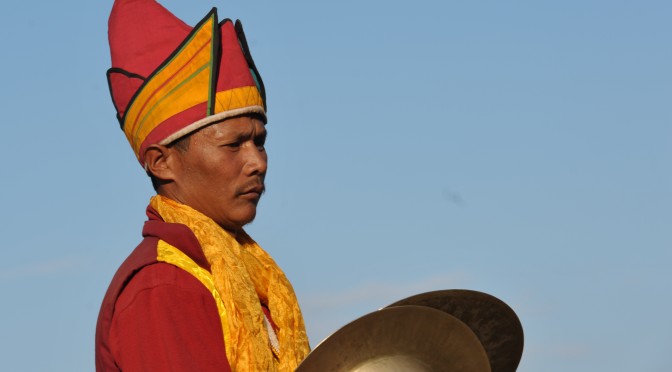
column 405, row 338
column 494, row 322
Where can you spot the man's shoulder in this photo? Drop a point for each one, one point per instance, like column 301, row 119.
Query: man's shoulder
column 142, row 267
column 139, row 272
column 144, row 254
column 159, row 277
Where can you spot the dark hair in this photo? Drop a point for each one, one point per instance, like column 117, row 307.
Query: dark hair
column 181, row 145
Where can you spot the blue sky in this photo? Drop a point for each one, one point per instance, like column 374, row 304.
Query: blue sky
column 520, row 148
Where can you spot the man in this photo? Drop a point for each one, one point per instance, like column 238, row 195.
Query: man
column 197, row 294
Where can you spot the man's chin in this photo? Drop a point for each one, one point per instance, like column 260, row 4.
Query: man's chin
column 234, row 225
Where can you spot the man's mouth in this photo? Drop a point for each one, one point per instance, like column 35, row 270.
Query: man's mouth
column 252, row 192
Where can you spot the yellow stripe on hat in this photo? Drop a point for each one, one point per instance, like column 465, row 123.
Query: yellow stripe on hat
column 183, row 82
column 238, row 98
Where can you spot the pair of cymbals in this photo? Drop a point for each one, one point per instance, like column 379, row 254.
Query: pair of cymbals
column 448, row 330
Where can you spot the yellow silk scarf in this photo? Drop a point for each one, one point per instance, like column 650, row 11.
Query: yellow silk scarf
column 245, row 274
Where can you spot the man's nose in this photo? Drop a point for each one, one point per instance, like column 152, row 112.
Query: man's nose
column 256, row 161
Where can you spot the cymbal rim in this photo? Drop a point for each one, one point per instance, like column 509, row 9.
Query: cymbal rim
column 495, row 324
column 423, row 338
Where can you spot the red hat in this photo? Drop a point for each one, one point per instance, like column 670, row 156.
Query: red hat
column 168, row 79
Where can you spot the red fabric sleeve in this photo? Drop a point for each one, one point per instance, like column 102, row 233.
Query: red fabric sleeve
column 166, row 320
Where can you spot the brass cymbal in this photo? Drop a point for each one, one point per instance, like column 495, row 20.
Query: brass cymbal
column 404, row 338
column 494, row 322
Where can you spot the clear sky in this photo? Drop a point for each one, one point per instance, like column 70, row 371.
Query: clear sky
column 520, row 148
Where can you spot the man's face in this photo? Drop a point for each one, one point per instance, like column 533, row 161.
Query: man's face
column 222, row 172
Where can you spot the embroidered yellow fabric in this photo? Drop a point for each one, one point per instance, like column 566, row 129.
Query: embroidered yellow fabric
column 169, row 254
column 244, row 274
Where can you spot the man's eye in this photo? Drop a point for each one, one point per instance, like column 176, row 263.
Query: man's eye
column 233, row 144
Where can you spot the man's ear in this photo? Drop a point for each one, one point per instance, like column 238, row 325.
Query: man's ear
column 160, row 161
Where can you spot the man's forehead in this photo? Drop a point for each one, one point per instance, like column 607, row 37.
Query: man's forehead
column 239, row 126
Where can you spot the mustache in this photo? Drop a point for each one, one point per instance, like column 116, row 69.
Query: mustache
column 254, row 185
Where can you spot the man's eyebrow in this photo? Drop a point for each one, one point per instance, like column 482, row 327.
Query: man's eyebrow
column 238, row 136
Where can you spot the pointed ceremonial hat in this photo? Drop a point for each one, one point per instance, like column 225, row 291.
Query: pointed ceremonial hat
column 169, row 79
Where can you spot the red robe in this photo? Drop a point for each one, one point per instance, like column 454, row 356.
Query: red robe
column 156, row 316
